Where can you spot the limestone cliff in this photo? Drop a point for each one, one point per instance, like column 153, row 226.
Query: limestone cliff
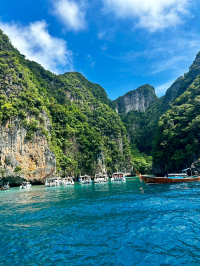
column 22, row 158
column 138, row 100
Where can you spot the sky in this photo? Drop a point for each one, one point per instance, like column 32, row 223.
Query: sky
column 119, row 44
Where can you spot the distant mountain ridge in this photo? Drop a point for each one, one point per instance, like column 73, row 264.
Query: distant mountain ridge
column 143, row 124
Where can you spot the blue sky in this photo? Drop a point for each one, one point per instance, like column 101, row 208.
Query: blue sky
column 119, row 44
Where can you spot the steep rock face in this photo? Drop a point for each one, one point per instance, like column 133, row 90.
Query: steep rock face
column 24, row 158
column 138, row 100
column 171, row 94
column 143, row 134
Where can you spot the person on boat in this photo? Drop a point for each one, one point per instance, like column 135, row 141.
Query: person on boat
column 189, row 173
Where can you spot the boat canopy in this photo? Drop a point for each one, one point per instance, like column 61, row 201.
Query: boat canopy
column 100, row 175
column 185, row 170
column 121, row 173
column 85, row 176
column 51, row 179
column 177, row 174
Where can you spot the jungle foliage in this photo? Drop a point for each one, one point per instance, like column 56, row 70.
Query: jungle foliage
column 177, row 142
column 84, row 128
column 168, row 130
column 86, row 133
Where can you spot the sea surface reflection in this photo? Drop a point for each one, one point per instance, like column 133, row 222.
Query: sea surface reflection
column 103, row 224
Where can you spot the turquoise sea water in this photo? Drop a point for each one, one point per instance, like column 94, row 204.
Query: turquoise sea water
column 103, row 224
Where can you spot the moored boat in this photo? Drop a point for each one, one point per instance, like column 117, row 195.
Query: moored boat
column 5, row 187
column 85, row 179
column 25, row 185
column 67, row 181
column 53, row 181
column 119, row 176
column 100, row 178
column 171, row 178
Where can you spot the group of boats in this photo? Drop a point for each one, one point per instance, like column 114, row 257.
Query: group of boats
column 116, row 177
column 85, row 179
column 69, row 181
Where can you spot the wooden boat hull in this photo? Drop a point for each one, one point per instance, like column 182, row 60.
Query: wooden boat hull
column 163, row 180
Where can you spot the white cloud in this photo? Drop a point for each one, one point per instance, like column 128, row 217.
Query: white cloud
column 109, row 34
column 162, row 55
column 35, row 42
column 176, row 54
column 101, row 35
column 150, row 14
column 90, row 61
column 162, row 60
column 71, row 14
column 104, row 47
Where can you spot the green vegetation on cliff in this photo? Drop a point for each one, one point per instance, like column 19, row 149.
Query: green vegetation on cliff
column 175, row 136
column 84, row 130
column 139, row 124
column 86, row 134
column 177, row 143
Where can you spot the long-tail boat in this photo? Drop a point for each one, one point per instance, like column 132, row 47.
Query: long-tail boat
column 170, row 178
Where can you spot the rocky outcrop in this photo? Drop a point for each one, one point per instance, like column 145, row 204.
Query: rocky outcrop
column 22, row 158
column 138, row 100
column 100, row 166
column 171, row 94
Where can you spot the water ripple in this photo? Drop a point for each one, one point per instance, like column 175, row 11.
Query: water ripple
column 103, row 224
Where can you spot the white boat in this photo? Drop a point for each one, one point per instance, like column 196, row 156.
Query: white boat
column 52, row 182
column 5, row 187
column 67, row 181
column 85, row 179
column 119, row 176
column 99, row 178
column 25, row 185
